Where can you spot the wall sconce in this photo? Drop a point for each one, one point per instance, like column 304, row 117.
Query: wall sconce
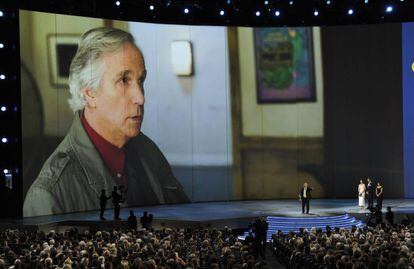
column 182, row 58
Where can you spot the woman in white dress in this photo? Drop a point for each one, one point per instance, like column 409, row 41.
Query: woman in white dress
column 361, row 194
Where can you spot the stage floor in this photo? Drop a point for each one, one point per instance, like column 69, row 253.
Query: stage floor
column 222, row 212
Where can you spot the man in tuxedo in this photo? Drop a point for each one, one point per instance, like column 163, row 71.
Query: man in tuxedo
column 305, row 196
column 371, row 193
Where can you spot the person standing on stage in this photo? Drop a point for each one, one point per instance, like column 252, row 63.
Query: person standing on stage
column 361, row 194
column 371, row 193
column 116, row 200
column 102, row 203
column 305, row 196
column 379, row 193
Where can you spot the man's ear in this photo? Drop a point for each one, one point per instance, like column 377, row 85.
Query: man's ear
column 90, row 97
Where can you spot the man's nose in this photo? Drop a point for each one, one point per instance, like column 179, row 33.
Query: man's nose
column 138, row 95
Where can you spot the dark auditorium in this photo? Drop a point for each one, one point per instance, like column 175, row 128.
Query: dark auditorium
column 198, row 134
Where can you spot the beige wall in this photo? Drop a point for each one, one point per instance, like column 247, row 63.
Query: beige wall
column 277, row 120
column 34, row 29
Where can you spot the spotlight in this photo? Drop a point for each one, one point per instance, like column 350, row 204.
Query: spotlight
column 1, row 13
column 4, row 140
column 290, row 2
column 389, row 9
column 328, row 2
column 266, row 2
column 350, row 12
column 3, row 108
column 315, row 13
column 186, row 10
column 151, row 7
column 5, row 171
column 366, row 1
column 257, row 13
column 221, row 12
column 1, row 45
column 2, row 77
column 118, row 3
column 277, row 13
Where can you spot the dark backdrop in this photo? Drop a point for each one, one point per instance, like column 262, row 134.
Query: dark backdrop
column 363, row 107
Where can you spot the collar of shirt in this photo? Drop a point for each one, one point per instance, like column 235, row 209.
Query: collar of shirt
column 113, row 157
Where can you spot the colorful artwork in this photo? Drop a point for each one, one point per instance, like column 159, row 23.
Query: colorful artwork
column 284, row 64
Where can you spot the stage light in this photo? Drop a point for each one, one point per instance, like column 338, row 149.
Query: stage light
column 257, row 13
column 221, row 12
column 1, row 13
column 366, row 1
column 2, row 77
column 5, row 171
column 315, row 13
column 277, row 13
column 186, row 10
column 151, row 7
column 290, row 2
column 118, row 3
column 3, row 108
column 266, row 2
column 1, row 45
column 4, row 140
column 328, row 2
column 350, row 12
column 389, row 9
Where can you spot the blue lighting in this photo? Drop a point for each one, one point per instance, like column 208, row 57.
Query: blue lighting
column 291, row 3
column 1, row 13
column 350, row 12
column 266, row 2
column 5, row 171
column 366, row 1
column 257, row 13
column 186, row 10
column 389, row 9
column 277, row 13
column 328, row 2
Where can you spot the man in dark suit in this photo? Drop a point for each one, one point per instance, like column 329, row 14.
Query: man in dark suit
column 305, row 196
column 103, row 200
column 116, row 200
column 370, row 192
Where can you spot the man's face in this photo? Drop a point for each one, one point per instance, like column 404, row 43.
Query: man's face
column 120, row 98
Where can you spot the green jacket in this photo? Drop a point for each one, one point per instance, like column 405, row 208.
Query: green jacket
column 72, row 178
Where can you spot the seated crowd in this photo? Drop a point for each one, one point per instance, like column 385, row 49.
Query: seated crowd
column 382, row 246
column 124, row 249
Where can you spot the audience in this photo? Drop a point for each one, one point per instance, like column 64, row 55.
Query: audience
column 382, row 246
column 125, row 249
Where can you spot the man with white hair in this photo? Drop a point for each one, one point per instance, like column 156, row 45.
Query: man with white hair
column 104, row 146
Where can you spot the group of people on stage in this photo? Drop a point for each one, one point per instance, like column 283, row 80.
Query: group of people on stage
column 368, row 189
column 117, row 200
column 371, row 191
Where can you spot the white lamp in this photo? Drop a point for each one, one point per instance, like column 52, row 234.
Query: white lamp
column 182, row 58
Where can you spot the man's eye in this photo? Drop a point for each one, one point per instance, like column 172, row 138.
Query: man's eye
column 125, row 79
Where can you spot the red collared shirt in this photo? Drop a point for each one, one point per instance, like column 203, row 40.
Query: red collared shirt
column 113, row 157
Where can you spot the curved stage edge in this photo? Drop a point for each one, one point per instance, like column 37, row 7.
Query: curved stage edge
column 234, row 214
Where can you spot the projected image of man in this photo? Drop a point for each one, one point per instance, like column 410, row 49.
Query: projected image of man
column 104, row 146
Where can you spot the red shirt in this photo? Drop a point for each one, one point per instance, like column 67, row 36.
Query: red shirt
column 113, row 157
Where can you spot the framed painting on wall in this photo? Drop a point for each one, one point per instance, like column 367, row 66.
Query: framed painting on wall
column 284, row 65
column 61, row 48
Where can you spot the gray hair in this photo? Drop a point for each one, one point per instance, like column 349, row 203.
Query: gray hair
column 86, row 68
